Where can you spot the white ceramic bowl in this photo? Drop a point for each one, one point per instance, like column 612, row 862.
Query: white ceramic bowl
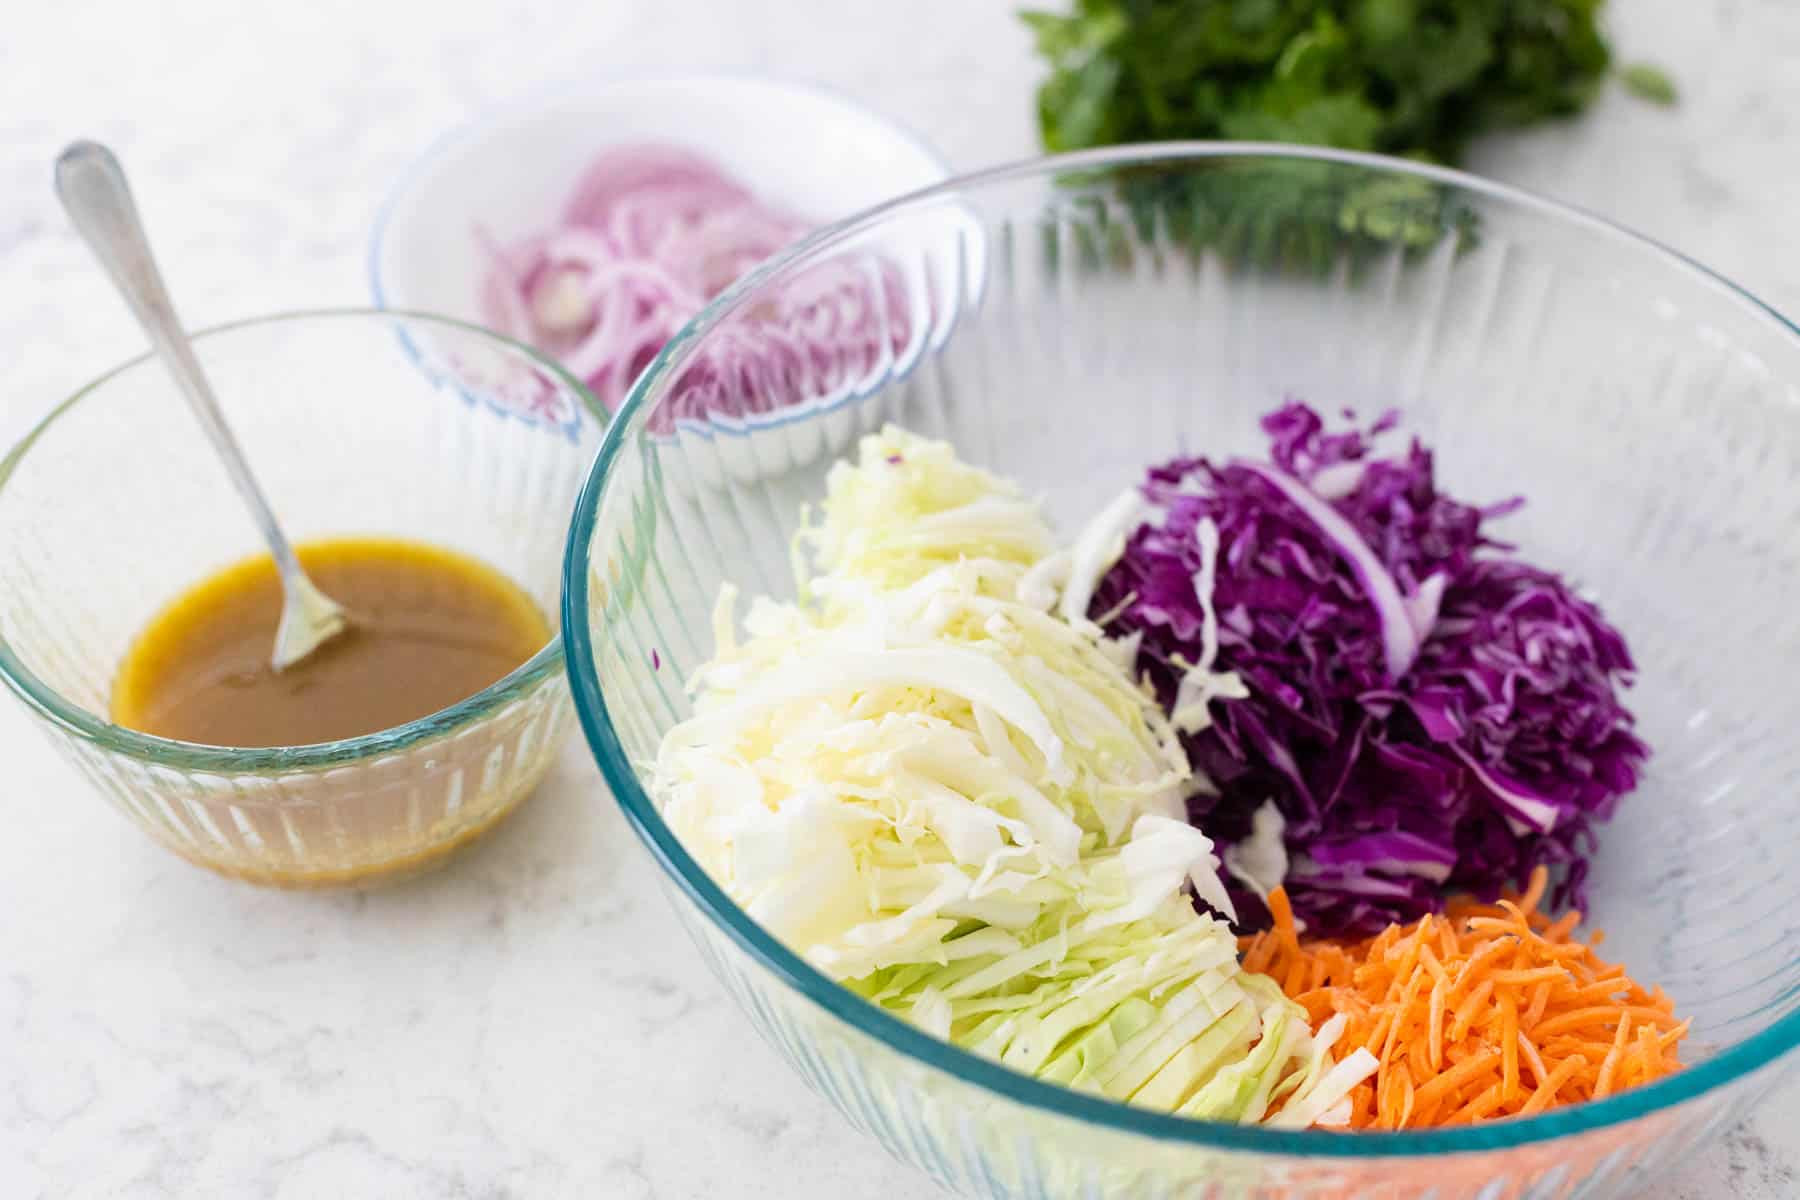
column 803, row 148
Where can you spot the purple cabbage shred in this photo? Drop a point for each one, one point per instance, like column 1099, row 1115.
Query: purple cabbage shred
column 1498, row 749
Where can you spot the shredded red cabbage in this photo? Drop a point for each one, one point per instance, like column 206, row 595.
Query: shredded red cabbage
column 649, row 236
column 1429, row 714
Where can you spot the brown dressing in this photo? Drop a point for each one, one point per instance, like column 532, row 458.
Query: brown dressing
column 430, row 627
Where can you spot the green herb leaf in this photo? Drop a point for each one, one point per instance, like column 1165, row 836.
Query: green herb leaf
column 1648, row 82
column 1410, row 77
column 1415, row 78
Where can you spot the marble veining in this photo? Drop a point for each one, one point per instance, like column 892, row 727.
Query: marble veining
column 532, row 1022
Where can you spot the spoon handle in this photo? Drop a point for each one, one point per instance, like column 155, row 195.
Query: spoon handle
column 92, row 188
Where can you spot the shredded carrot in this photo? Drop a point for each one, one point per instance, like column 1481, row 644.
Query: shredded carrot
column 1488, row 1011
column 1296, row 976
column 1534, row 891
column 1465, row 1012
column 1509, row 1046
column 1550, row 974
column 1478, row 1108
column 1432, row 964
column 1563, row 926
column 1528, row 1049
column 1406, row 1097
column 1256, row 959
column 1640, row 1059
column 1481, row 960
column 1599, row 1014
column 1545, row 1096
column 1434, row 1026
column 1540, row 1000
column 1379, row 1034
column 1451, row 1082
column 1610, row 1064
column 1400, row 1015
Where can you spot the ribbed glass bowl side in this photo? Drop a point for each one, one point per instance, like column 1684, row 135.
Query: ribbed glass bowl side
column 978, row 1144
column 1089, row 316
column 385, row 817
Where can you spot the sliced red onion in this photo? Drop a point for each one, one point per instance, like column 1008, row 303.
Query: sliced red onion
column 651, row 234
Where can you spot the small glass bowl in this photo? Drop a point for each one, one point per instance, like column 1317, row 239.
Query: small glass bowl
column 356, row 423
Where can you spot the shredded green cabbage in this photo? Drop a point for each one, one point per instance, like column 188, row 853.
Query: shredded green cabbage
column 962, row 807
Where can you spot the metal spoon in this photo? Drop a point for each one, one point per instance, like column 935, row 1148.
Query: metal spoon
column 93, row 191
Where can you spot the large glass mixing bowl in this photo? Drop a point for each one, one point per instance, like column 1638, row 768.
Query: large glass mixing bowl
column 1092, row 314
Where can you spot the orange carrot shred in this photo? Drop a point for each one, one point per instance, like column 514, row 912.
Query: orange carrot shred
column 1597, row 1015
column 1549, row 974
column 1447, row 948
column 1388, row 1090
column 1595, row 993
column 1540, row 998
column 1484, row 1103
column 1546, row 1093
column 1490, row 1010
column 1479, row 962
column 1470, row 1068
column 1379, row 1033
column 1610, row 1064
column 1465, row 1013
column 1563, row 927
column 1529, row 1052
column 1418, row 1058
column 1406, row 1003
column 1435, row 1025
column 1534, row 889
column 1509, row 1046
column 1258, row 956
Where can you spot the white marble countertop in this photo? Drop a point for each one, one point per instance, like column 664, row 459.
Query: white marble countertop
column 531, row 1022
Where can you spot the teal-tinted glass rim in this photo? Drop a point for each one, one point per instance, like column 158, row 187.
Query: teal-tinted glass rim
column 79, row 722
column 1739, row 1060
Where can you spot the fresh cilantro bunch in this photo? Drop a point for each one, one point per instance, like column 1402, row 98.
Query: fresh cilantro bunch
column 1418, row 78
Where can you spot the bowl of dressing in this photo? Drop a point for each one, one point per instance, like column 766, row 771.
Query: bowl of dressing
column 137, row 606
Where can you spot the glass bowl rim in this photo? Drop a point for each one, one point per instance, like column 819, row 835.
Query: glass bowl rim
column 81, row 723
column 1759, row 1050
